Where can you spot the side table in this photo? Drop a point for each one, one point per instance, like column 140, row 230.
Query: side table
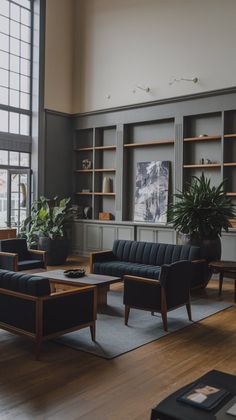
column 171, row 409
column 224, row 267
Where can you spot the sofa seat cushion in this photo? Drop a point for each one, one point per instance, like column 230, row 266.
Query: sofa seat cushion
column 120, row 268
column 30, row 264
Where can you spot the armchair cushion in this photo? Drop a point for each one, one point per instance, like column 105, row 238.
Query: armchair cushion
column 29, row 264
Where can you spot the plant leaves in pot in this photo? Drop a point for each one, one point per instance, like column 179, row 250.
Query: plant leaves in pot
column 46, row 228
column 200, row 213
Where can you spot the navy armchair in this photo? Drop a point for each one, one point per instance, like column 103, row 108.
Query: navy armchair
column 171, row 291
column 15, row 256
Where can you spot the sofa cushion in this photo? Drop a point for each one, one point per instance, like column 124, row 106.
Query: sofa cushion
column 152, row 253
column 24, row 283
column 120, row 268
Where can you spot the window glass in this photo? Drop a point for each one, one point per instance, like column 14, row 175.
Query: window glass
column 4, row 7
column 4, row 120
column 4, row 60
column 4, row 24
column 3, row 197
column 14, row 123
column 3, row 157
column 14, row 159
column 3, row 95
column 24, row 159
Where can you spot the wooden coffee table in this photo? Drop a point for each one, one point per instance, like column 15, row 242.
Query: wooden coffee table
column 224, row 267
column 57, row 279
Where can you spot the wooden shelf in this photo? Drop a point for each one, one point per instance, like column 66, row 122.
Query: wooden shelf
column 232, row 194
column 84, row 149
column 204, row 138
column 230, row 136
column 96, row 193
column 95, row 170
column 105, row 170
column 112, row 194
column 149, row 143
column 205, row 165
column 230, row 164
column 112, row 147
column 88, row 171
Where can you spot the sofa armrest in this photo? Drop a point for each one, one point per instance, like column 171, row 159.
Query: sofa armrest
column 201, row 271
column 142, row 292
column 141, row 279
column 9, row 261
column 39, row 255
column 100, row 256
column 69, row 309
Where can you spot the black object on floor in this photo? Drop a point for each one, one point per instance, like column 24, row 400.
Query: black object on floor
column 172, row 409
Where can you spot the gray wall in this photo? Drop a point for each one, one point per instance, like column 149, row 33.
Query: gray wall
column 58, row 155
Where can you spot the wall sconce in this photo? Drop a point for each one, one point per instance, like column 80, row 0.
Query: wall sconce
column 185, row 79
column 144, row 88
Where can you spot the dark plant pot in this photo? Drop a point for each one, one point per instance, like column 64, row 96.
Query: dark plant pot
column 57, row 249
column 210, row 251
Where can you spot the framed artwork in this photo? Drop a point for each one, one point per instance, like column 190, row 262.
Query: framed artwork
column 151, row 192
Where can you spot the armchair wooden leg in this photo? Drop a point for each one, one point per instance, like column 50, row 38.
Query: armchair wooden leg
column 127, row 311
column 93, row 331
column 188, row 307
column 164, row 320
column 38, row 349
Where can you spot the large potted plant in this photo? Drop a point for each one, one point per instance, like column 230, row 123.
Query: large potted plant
column 45, row 228
column 200, row 213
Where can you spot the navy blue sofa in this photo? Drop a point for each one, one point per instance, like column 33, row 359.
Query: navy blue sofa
column 145, row 259
column 28, row 308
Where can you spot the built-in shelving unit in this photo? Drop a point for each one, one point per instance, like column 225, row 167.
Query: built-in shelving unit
column 98, row 146
column 196, row 136
column 202, row 147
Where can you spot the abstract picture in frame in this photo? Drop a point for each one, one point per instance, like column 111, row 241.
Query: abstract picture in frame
column 151, row 192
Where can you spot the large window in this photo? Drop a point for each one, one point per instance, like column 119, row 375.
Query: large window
column 16, row 24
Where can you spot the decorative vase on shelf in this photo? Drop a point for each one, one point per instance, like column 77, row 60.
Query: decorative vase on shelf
column 106, row 186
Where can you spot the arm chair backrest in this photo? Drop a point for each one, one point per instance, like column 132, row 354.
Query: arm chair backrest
column 17, row 246
column 176, row 280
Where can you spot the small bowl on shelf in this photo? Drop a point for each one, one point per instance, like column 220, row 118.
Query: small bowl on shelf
column 75, row 273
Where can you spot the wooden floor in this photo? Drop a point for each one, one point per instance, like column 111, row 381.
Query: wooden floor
column 69, row 384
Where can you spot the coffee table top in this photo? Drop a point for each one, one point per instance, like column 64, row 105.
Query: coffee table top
column 223, row 265
column 89, row 279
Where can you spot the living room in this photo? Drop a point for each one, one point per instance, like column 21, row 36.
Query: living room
column 97, row 98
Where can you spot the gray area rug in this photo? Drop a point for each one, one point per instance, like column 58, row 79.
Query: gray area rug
column 113, row 338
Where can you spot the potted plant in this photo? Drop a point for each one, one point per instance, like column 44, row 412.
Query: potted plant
column 45, row 228
column 201, row 212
